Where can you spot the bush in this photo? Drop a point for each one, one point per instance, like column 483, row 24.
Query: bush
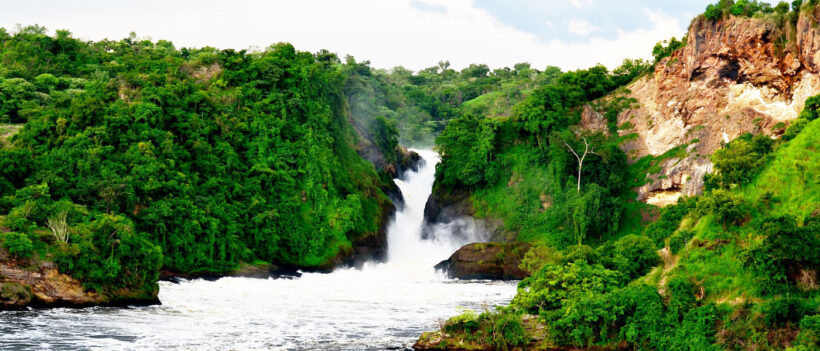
column 726, row 206
column 18, row 244
column 634, row 255
column 809, row 331
column 106, row 254
column 678, row 240
column 538, row 256
column 779, row 311
column 548, row 288
column 669, row 221
column 467, row 322
column 681, row 296
column 697, row 331
column 785, row 251
column 508, row 330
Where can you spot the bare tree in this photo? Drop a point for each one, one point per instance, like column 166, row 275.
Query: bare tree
column 59, row 226
column 581, row 158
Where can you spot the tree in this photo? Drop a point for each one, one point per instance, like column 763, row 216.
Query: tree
column 59, row 227
column 581, row 158
column 726, row 206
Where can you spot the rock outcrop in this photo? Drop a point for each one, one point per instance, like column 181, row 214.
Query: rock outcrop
column 40, row 284
column 452, row 212
column 734, row 75
column 494, row 261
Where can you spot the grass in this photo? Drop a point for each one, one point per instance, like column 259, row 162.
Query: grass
column 712, row 259
column 792, row 177
column 520, row 194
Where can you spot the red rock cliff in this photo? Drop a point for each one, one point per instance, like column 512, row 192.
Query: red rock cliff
column 734, row 75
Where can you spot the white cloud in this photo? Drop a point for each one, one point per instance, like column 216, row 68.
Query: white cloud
column 581, row 3
column 580, row 27
column 388, row 33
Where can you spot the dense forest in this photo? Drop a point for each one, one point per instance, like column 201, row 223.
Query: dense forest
column 119, row 159
column 138, row 156
column 736, row 266
column 123, row 158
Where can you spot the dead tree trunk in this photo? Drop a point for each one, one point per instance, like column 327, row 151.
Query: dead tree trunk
column 580, row 159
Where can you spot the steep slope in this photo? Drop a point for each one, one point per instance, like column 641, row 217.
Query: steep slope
column 734, row 75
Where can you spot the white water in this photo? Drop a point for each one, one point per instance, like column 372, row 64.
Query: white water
column 382, row 306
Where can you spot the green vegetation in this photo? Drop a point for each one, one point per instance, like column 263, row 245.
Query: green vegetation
column 737, row 266
column 138, row 155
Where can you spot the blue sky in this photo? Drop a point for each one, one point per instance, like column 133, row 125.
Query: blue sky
column 412, row 33
column 554, row 19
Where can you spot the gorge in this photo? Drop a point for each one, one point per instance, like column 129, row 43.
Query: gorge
column 379, row 306
column 156, row 197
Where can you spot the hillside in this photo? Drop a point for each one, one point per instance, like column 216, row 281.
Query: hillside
column 675, row 211
column 133, row 156
column 732, row 76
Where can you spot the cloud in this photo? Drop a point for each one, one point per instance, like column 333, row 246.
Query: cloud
column 580, row 27
column 388, row 33
column 581, row 3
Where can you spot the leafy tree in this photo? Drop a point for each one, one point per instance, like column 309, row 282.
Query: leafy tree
column 726, row 206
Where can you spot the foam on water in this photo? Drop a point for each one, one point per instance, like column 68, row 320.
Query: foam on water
column 381, row 306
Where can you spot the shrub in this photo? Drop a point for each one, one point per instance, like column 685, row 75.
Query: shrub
column 726, row 206
column 777, row 312
column 697, row 331
column 785, row 251
column 508, row 330
column 637, row 255
column 107, row 254
column 549, row 287
column 678, row 240
column 538, row 256
column 467, row 322
column 809, row 331
column 669, row 220
column 18, row 244
column 681, row 296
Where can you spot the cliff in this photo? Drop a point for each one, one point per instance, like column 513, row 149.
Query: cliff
column 733, row 76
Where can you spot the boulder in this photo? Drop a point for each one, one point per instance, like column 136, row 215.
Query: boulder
column 493, row 261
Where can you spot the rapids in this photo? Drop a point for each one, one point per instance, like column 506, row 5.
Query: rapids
column 381, row 306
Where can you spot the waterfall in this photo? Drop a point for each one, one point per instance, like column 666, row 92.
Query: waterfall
column 380, row 306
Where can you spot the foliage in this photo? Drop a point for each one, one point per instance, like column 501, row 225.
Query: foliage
column 634, row 255
column 108, row 254
column 549, row 287
column 738, row 162
column 727, row 207
column 188, row 159
column 786, row 250
column 466, row 145
column 666, row 48
column 669, row 220
column 18, row 244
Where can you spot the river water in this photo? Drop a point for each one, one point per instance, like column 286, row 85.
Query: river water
column 383, row 306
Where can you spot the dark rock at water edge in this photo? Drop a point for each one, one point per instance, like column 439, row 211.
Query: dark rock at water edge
column 492, row 261
column 448, row 207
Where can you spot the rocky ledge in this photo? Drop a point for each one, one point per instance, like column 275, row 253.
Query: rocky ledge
column 40, row 284
column 494, row 261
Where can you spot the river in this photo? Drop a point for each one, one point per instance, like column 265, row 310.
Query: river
column 382, row 306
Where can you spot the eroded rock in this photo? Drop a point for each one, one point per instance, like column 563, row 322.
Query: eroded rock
column 732, row 77
column 494, row 261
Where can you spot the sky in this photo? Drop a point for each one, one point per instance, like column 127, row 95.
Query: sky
column 416, row 34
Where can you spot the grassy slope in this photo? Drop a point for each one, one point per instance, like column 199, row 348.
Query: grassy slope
column 712, row 257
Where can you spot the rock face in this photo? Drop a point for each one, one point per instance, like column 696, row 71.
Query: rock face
column 453, row 212
column 733, row 76
column 494, row 261
column 44, row 286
